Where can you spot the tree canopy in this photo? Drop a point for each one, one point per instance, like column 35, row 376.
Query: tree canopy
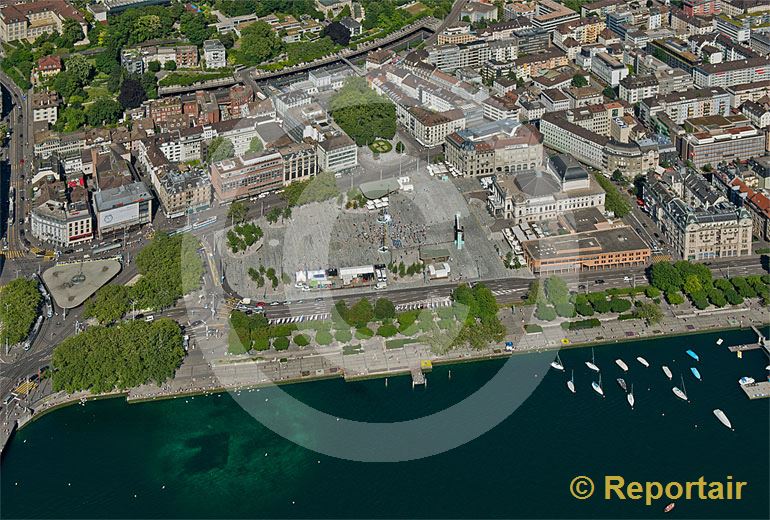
column 195, row 27
column 170, row 267
column 578, row 80
column 103, row 111
column 219, row 149
column 131, row 93
column 101, row 359
column 481, row 325
column 19, row 302
column 109, row 304
column 258, row 44
column 362, row 113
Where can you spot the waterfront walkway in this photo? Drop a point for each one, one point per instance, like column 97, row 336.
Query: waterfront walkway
column 206, row 369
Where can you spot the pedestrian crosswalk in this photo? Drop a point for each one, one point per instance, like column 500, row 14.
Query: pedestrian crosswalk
column 14, row 253
column 300, row 319
column 501, row 292
column 429, row 304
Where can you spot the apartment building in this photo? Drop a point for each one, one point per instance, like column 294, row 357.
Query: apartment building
column 679, row 106
column 726, row 74
column 635, row 88
column 584, row 31
column 27, row 21
column 532, row 65
column 47, row 67
column 45, row 106
column 497, row 147
column 214, row 54
column 430, row 128
column 739, row 94
column 701, row 7
column 550, row 14
column 608, row 69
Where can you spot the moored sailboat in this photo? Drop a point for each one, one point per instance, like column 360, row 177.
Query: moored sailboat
column 592, row 364
column 680, row 392
column 571, row 383
column 556, row 363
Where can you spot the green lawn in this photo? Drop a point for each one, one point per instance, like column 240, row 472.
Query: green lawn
column 380, row 146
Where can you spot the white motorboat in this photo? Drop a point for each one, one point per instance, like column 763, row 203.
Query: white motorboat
column 621, row 364
column 668, row 373
column 643, row 361
column 723, row 418
column 630, row 397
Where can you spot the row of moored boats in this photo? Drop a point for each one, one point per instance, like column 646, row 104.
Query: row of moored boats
column 680, row 392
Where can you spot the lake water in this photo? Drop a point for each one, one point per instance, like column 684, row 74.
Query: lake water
column 206, row 457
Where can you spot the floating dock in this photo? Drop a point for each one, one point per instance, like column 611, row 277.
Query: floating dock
column 418, row 378
column 759, row 390
column 418, row 373
column 743, row 348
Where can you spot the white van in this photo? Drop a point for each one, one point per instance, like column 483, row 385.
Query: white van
column 150, row 318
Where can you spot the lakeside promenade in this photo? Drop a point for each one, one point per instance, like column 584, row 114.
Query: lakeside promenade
column 203, row 373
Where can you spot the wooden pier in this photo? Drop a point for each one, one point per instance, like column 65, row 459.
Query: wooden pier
column 759, row 390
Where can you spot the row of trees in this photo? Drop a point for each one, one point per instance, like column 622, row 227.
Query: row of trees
column 695, row 281
column 170, row 267
column 361, row 313
column 553, row 299
column 19, row 303
column 101, row 359
column 614, row 200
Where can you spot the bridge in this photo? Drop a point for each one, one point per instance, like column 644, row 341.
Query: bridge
column 428, row 24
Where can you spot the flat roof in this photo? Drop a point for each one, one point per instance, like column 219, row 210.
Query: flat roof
column 121, row 196
column 606, row 241
column 377, row 189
